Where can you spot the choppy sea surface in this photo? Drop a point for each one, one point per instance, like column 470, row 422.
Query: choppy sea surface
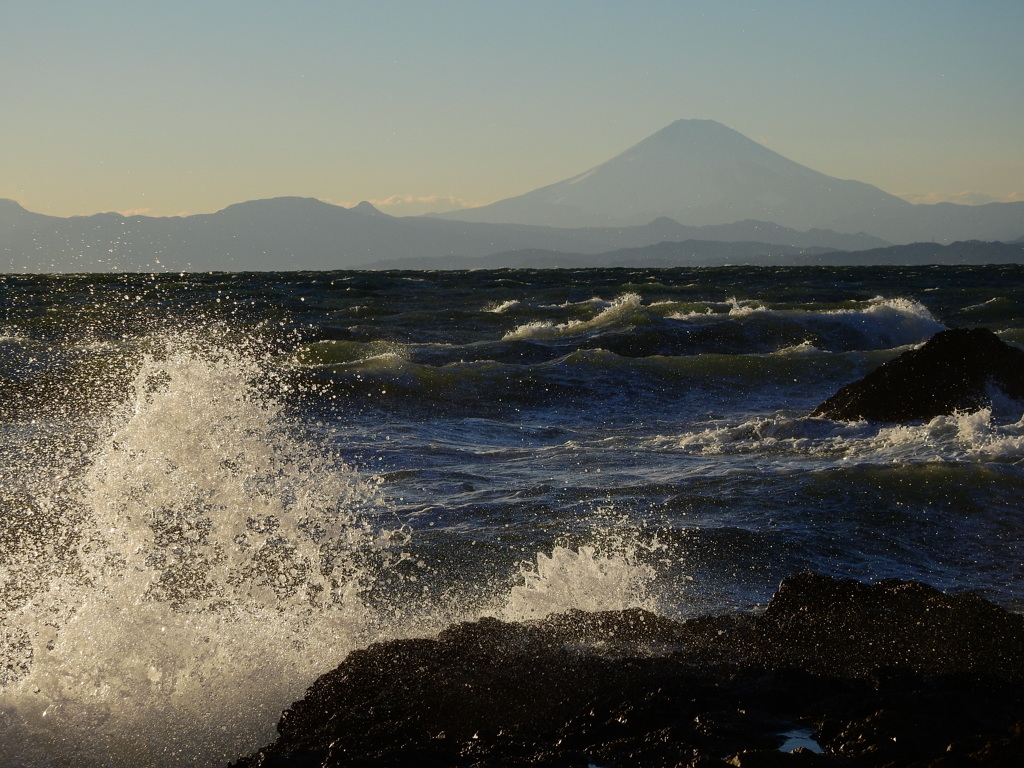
column 214, row 486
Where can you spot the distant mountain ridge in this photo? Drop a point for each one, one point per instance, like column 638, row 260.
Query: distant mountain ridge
column 687, row 253
column 699, row 172
column 695, row 181
column 973, row 252
column 308, row 234
column 704, row 253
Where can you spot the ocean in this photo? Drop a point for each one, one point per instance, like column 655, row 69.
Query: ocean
column 215, row 486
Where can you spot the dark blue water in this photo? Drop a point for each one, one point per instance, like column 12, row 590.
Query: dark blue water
column 215, row 486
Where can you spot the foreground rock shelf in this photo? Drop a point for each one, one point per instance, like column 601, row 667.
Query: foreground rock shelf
column 890, row 674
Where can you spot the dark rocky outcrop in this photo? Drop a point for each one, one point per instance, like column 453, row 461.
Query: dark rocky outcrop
column 890, row 674
column 953, row 371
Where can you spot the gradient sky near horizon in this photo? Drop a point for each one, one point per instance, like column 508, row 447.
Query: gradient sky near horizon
column 169, row 108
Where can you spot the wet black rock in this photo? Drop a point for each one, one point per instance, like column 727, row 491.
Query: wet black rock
column 889, row 674
column 953, row 371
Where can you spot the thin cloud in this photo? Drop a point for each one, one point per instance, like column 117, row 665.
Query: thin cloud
column 414, row 205
column 148, row 212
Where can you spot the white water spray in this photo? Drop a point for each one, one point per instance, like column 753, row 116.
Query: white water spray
column 217, row 571
column 585, row 579
column 215, row 563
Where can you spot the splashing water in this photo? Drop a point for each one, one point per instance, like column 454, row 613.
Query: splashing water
column 214, row 561
column 582, row 579
column 216, row 572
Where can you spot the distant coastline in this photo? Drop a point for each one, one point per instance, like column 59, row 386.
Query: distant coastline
column 307, row 234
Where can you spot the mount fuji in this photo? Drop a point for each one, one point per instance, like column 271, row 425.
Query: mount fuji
column 700, row 173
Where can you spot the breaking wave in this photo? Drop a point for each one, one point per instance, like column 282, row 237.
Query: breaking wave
column 211, row 565
column 989, row 434
column 621, row 311
column 213, row 558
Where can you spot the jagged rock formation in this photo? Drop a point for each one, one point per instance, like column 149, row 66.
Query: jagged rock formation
column 953, row 371
column 894, row 673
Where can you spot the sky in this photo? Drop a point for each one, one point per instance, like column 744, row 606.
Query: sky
column 173, row 108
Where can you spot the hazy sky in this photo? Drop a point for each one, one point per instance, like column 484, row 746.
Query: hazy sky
column 187, row 107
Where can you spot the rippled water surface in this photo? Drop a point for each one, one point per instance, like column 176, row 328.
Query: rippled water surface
column 215, row 486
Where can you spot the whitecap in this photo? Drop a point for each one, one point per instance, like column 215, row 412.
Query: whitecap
column 616, row 313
